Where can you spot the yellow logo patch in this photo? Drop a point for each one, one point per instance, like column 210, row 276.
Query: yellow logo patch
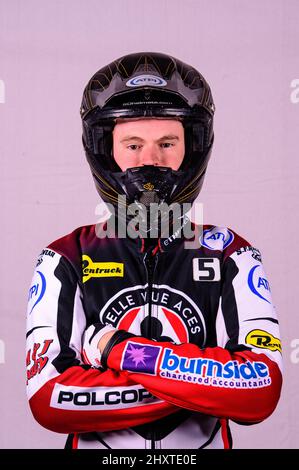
column 106, row 269
column 148, row 186
column 264, row 340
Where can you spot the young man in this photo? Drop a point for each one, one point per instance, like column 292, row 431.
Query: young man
column 140, row 341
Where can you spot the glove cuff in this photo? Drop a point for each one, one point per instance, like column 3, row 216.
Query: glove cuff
column 93, row 334
column 118, row 337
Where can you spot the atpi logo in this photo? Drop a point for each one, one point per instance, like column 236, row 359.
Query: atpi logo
column 263, row 339
column 146, row 80
column 102, row 269
column 258, row 283
column 217, row 238
column 37, row 290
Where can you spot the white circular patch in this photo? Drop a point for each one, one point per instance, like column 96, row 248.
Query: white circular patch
column 217, row 238
column 146, row 80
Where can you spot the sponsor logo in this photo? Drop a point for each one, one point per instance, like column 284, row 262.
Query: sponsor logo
column 256, row 254
column 140, row 358
column 216, row 239
column 37, row 290
column 177, row 318
column 37, row 356
column 146, row 80
column 263, row 339
column 68, row 397
column 143, row 358
column 101, row 269
column 258, row 284
column 148, row 186
column 44, row 253
column 206, row 269
column 214, row 373
column 184, row 230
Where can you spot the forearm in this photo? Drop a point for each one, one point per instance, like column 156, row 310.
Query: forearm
column 82, row 400
column 244, row 386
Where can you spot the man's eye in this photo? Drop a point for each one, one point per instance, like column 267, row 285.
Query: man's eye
column 133, row 147
column 166, row 145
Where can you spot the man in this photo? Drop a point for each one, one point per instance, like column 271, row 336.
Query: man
column 150, row 343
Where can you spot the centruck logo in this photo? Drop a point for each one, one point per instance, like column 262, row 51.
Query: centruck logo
column 102, row 269
column 2, row 92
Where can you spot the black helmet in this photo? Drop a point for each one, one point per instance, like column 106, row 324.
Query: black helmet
column 147, row 84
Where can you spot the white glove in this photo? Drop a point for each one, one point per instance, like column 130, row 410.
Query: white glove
column 90, row 352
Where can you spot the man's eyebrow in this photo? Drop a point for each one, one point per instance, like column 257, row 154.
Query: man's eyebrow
column 139, row 139
column 131, row 137
column 168, row 137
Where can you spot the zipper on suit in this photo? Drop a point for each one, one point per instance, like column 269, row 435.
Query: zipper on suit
column 150, row 261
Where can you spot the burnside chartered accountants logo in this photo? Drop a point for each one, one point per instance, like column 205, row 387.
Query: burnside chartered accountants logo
column 102, row 269
column 143, row 358
column 2, row 91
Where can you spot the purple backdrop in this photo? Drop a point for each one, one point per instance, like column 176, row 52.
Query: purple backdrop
column 248, row 51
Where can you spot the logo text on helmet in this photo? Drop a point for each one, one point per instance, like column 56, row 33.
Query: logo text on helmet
column 146, row 80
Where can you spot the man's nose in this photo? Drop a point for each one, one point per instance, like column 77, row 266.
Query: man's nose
column 149, row 155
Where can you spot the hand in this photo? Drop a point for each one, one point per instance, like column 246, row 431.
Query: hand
column 104, row 340
column 91, row 350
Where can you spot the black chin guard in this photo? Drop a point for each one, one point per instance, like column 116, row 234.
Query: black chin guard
column 148, row 191
column 149, row 184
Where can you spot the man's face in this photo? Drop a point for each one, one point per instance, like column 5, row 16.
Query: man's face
column 158, row 142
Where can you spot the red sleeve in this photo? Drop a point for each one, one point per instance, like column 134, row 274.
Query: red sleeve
column 87, row 400
column 243, row 386
column 65, row 394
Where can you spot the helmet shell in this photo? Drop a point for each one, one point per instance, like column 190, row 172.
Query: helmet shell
column 147, row 84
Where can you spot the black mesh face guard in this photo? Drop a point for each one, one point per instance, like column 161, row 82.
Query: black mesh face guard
column 149, row 184
column 148, row 190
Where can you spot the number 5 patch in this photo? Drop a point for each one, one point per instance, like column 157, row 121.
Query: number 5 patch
column 206, row 269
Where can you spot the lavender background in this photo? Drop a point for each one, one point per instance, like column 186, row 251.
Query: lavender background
column 249, row 52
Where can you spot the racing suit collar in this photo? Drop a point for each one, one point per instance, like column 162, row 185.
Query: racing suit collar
column 172, row 240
